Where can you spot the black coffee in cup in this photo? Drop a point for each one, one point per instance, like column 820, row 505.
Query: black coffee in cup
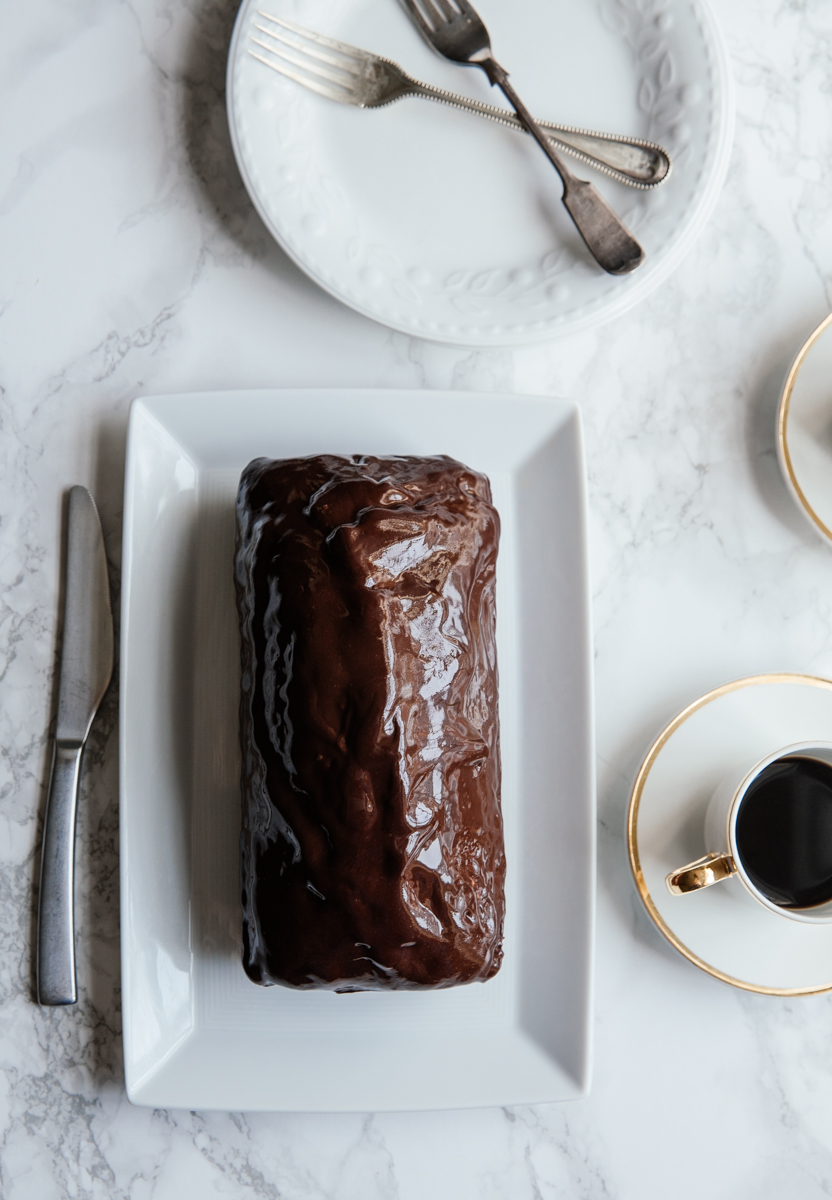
column 784, row 832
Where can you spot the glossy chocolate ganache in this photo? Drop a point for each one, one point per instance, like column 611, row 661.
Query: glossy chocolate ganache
column 372, row 843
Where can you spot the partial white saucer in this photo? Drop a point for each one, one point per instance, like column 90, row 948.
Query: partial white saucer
column 448, row 227
column 732, row 939
column 804, row 429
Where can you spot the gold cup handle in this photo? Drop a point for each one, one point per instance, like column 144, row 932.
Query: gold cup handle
column 700, row 874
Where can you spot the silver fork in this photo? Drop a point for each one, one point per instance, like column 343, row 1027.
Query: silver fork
column 456, row 31
column 352, row 76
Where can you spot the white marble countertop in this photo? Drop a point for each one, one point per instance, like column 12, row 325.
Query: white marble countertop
column 134, row 263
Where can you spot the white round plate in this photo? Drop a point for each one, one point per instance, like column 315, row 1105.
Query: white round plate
column 804, row 429
column 740, row 942
column 448, row 227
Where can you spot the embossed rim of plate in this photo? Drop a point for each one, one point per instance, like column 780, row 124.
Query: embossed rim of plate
column 594, row 312
column 783, row 452
column 632, row 825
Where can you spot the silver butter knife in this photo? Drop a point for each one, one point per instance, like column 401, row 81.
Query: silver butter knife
column 86, row 670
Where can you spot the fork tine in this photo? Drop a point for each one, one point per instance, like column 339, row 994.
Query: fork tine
column 433, row 14
column 466, row 9
column 348, row 65
column 450, row 13
column 314, row 85
column 418, row 17
column 312, row 67
column 341, row 47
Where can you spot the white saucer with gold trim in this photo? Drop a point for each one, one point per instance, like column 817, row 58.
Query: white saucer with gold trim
column 804, row 429
column 743, row 944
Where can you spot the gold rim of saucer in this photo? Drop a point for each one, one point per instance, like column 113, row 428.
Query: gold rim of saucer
column 782, row 429
column 635, row 801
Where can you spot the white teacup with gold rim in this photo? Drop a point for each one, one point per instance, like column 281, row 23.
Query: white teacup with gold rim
column 768, row 833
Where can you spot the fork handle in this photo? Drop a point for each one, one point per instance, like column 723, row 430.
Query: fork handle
column 607, row 238
column 634, row 161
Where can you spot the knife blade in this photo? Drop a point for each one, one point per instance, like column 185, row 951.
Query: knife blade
column 85, row 672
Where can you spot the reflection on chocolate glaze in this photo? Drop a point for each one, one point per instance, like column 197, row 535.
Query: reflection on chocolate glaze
column 372, row 844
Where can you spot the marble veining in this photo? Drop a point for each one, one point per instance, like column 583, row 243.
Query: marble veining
column 133, row 262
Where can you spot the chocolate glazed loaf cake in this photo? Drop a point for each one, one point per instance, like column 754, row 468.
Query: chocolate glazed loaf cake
column 372, row 843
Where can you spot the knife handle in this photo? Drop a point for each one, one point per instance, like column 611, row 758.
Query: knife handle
column 56, row 901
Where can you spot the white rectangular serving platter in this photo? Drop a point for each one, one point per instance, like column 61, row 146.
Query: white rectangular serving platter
column 197, row 1033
